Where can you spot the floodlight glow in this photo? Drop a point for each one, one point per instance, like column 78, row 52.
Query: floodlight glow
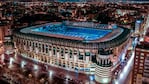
column 7, row 52
column 50, row 73
column 126, row 69
column 91, row 77
column 2, row 57
column 67, row 76
column 35, row 67
column 105, row 80
column 11, row 62
column 22, row 64
column 116, row 82
column 121, row 75
column 138, row 21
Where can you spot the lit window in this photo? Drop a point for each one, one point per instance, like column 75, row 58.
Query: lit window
column 137, row 53
column 142, row 57
column 136, row 56
column 141, row 64
column 141, row 61
column 142, row 54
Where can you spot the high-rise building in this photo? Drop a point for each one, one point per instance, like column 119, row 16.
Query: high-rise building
column 141, row 63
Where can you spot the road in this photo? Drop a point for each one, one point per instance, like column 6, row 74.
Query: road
column 129, row 66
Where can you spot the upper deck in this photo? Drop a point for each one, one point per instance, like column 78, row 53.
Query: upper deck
column 89, row 32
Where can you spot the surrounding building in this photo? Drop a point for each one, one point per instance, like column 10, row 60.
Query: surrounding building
column 5, row 32
column 141, row 62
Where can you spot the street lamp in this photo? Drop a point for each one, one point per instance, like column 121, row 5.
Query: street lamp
column 11, row 62
column 22, row 64
column 35, row 67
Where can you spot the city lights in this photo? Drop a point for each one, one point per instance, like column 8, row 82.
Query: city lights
column 22, row 64
column 105, row 80
column 2, row 57
column 92, row 77
column 74, row 42
column 35, row 67
column 11, row 62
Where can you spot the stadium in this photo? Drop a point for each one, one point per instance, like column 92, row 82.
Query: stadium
column 86, row 47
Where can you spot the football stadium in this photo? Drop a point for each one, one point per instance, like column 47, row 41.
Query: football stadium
column 86, row 47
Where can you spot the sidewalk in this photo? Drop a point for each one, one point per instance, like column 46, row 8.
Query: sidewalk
column 61, row 73
column 54, row 75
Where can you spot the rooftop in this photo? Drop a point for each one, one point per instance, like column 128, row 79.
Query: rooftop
column 71, row 31
column 88, row 33
column 145, row 43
